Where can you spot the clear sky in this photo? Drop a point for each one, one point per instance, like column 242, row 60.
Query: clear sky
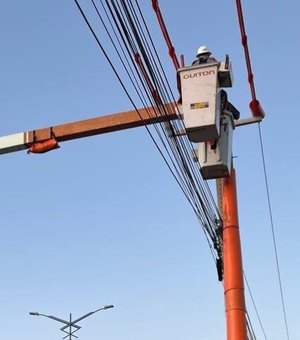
column 101, row 220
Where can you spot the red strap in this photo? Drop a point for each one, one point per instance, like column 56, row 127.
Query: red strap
column 165, row 33
column 154, row 93
column 255, row 107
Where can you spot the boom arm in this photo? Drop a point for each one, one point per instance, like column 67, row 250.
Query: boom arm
column 86, row 128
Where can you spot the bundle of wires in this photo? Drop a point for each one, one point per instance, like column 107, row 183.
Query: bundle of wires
column 129, row 35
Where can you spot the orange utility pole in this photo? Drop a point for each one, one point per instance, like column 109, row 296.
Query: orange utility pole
column 48, row 138
column 233, row 268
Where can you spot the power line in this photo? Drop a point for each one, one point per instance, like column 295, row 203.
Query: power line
column 155, row 89
column 273, row 233
column 251, row 334
column 257, row 111
column 151, row 68
column 255, row 308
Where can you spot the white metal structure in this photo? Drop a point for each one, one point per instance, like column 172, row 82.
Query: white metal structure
column 206, row 118
column 200, row 106
column 215, row 158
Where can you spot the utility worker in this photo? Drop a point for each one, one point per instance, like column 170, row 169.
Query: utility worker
column 203, row 56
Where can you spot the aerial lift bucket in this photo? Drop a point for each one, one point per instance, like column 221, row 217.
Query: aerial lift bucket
column 200, row 109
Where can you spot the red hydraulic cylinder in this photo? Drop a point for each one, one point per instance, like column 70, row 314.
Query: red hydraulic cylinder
column 233, row 267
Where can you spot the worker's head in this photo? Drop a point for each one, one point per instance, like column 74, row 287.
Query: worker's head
column 203, row 53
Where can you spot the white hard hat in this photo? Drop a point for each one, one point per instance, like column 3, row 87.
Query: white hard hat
column 203, row 50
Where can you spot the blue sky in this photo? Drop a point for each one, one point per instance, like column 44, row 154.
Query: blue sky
column 101, row 220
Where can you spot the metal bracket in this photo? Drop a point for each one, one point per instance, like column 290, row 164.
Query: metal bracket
column 247, row 121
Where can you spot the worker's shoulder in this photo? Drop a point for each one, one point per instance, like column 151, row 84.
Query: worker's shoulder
column 212, row 60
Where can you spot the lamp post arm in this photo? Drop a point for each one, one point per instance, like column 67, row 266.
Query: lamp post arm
column 82, row 317
column 69, row 324
column 90, row 313
column 56, row 319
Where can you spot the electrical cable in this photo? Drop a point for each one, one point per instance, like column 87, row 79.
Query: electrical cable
column 206, row 213
column 127, row 35
column 273, row 233
column 190, row 147
column 124, row 88
column 251, row 335
column 257, row 111
column 255, row 308
column 189, row 158
column 173, row 56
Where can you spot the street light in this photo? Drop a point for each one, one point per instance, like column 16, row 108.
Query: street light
column 71, row 324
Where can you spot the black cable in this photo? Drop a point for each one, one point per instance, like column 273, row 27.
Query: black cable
column 85, row 18
column 189, row 159
column 124, row 88
column 251, row 334
column 128, row 68
column 134, row 49
column 188, row 185
column 255, row 308
column 182, row 160
column 137, row 38
column 180, row 125
column 189, row 153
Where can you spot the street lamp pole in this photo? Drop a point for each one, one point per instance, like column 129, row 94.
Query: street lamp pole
column 71, row 325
